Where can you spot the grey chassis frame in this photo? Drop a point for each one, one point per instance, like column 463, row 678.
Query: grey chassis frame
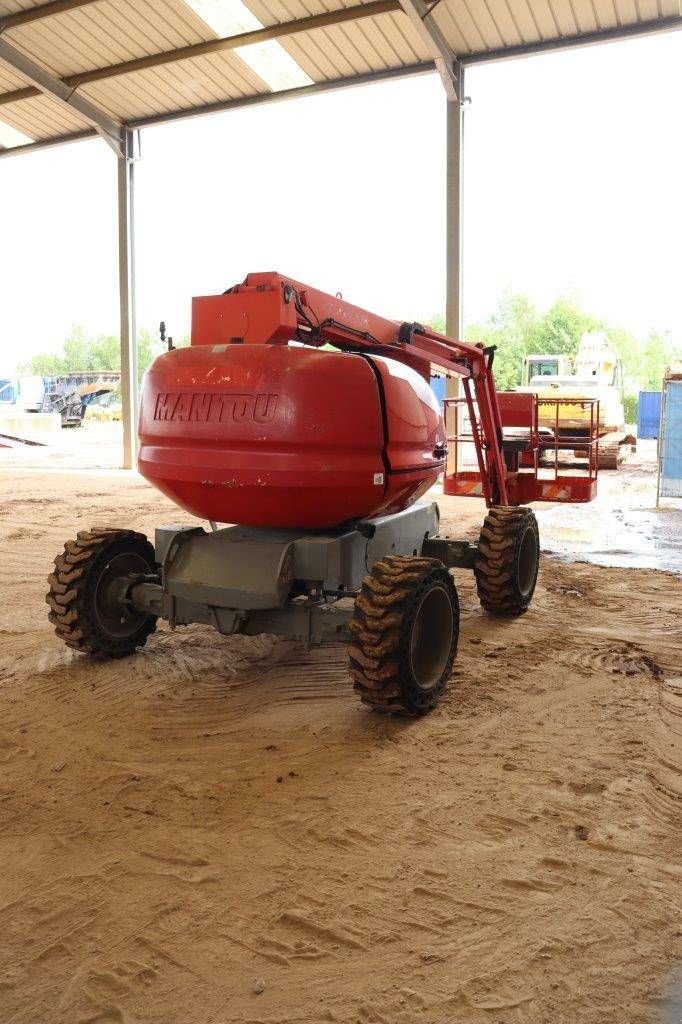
column 290, row 583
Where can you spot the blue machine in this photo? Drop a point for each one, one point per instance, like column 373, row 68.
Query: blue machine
column 8, row 390
column 648, row 414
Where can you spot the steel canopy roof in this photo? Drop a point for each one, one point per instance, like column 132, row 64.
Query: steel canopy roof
column 144, row 61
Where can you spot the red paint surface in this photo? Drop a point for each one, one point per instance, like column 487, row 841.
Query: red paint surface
column 272, row 435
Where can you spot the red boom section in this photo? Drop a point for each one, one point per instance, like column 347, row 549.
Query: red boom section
column 269, row 309
column 251, row 425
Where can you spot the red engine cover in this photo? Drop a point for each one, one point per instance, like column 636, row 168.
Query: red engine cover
column 286, row 436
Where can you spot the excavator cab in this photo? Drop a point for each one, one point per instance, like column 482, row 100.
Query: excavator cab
column 595, row 373
column 544, row 366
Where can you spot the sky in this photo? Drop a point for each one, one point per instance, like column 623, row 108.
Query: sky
column 572, row 185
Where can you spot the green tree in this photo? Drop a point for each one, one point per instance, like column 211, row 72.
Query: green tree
column 629, row 352
column 657, row 353
column 559, row 330
column 517, row 330
column 81, row 353
column 148, row 348
column 437, row 323
column 78, row 351
column 510, row 329
column 106, row 352
column 45, row 365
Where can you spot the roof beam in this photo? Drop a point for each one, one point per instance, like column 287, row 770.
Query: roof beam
column 40, row 144
column 445, row 59
column 47, row 84
column 604, row 35
column 41, row 11
column 318, row 88
column 260, row 35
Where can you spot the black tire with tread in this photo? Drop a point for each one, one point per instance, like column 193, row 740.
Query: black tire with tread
column 73, row 583
column 509, row 535
column 381, row 630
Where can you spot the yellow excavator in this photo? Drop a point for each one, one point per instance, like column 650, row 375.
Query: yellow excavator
column 594, row 372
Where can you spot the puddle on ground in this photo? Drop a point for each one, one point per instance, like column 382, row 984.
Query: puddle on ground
column 637, row 538
column 671, row 1008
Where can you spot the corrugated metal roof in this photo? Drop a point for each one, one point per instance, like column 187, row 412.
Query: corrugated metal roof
column 99, row 34
column 356, row 48
column 9, row 80
column 41, row 118
column 190, row 83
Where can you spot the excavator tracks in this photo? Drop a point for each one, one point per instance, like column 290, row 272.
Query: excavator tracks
column 614, row 448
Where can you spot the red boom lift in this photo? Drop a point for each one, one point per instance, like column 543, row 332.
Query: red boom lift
column 320, row 457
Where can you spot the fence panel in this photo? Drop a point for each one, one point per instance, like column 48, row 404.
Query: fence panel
column 670, row 441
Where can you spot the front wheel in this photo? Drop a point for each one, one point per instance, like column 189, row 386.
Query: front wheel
column 508, row 560
column 404, row 631
column 87, row 592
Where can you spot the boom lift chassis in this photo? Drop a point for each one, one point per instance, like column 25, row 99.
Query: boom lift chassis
column 384, row 583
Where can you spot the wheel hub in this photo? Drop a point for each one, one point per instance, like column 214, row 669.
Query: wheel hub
column 114, row 614
column 528, row 560
column 431, row 639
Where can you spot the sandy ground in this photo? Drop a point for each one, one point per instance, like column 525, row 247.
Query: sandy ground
column 219, row 815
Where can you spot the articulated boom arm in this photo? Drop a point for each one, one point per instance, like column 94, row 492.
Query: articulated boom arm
column 271, row 309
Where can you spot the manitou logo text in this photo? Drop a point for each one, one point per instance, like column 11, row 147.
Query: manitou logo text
column 197, row 407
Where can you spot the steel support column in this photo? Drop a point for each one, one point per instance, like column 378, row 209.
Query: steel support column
column 453, row 215
column 126, row 285
column 453, row 245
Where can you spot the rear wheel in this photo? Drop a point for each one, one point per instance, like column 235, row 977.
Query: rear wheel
column 508, row 559
column 404, row 634
column 87, row 592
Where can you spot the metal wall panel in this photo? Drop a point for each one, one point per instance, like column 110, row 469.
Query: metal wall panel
column 670, row 441
column 648, row 414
